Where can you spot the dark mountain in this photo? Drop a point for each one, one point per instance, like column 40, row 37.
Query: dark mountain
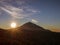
column 32, row 34
column 29, row 34
column 4, row 37
column 31, row 26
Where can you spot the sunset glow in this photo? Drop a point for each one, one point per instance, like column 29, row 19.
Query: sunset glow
column 13, row 25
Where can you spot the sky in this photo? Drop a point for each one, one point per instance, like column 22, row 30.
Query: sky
column 45, row 13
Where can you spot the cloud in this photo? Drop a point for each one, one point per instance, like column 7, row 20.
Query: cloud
column 19, row 10
column 35, row 21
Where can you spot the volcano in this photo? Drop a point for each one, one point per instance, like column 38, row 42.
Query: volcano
column 29, row 34
column 31, row 26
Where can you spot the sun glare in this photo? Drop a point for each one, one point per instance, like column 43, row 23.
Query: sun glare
column 13, row 25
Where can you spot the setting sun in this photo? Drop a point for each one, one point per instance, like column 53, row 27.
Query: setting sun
column 13, row 25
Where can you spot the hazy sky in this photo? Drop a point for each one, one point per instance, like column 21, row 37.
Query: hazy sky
column 45, row 13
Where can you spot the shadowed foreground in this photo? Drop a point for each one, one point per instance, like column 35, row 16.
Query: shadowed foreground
column 29, row 34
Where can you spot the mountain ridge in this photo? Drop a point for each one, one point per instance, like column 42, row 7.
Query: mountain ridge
column 31, row 26
column 29, row 34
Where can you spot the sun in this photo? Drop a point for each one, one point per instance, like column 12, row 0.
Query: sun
column 13, row 25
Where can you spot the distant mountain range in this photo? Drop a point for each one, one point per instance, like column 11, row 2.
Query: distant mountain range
column 29, row 34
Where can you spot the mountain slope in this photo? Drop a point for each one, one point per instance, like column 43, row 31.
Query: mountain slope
column 32, row 34
column 29, row 34
column 31, row 26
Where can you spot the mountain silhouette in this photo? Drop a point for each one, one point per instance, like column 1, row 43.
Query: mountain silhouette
column 31, row 26
column 29, row 34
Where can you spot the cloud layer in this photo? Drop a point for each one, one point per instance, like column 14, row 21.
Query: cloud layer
column 17, row 9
